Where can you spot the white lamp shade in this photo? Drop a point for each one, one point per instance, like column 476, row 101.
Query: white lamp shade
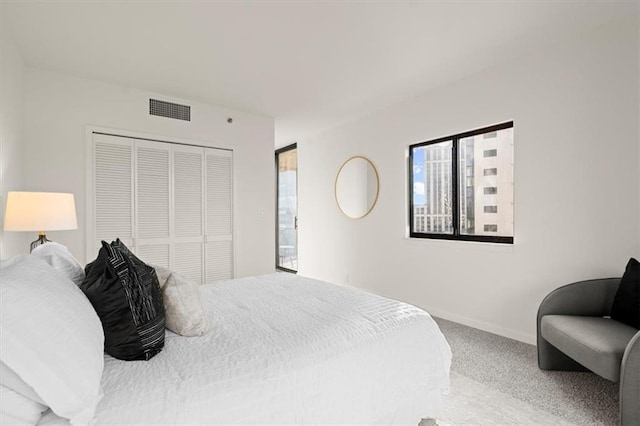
column 40, row 211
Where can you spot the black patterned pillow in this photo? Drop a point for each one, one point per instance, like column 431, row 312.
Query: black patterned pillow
column 125, row 293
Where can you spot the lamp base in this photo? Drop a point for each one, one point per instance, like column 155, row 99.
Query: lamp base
column 42, row 238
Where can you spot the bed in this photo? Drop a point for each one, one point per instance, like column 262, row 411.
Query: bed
column 280, row 349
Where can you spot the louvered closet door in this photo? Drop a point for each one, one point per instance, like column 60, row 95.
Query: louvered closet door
column 171, row 204
column 113, row 190
column 188, row 190
column 219, row 214
column 153, row 202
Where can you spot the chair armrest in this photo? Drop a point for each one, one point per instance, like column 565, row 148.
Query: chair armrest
column 630, row 383
column 592, row 298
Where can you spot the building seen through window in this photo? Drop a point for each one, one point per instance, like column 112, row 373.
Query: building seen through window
column 462, row 186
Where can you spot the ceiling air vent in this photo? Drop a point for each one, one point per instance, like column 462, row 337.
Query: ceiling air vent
column 169, row 110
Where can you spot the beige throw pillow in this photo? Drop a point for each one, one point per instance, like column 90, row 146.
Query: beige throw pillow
column 184, row 313
column 163, row 275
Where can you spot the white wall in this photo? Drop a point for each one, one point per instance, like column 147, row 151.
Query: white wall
column 577, row 202
column 11, row 134
column 58, row 108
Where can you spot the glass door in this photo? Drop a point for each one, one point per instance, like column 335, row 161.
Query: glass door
column 287, row 205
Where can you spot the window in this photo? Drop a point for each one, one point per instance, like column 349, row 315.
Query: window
column 490, row 172
column 490, row 135
column 456, row 192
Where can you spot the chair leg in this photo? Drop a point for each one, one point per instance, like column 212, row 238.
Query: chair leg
column 551, row 358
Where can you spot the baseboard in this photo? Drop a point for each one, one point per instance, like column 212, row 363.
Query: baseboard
column 481, row 325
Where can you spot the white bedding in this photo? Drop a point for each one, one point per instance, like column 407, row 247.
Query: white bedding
column 286, row 349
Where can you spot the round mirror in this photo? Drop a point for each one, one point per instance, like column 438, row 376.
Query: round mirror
column 356, row 187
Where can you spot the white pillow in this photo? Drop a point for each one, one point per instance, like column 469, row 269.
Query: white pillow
column 51, row 336
column 183, row 311
column 61, row 259
column 16, row 409
column 10, row 379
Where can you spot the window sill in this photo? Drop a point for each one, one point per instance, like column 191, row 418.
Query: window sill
column 462, row 244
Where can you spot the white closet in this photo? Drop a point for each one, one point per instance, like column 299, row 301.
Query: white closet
column 170, row 203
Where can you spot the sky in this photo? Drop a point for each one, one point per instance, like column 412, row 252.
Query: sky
column 418, row 177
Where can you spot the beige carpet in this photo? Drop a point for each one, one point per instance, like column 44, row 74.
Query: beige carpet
column 496, row 380
column 472, row 403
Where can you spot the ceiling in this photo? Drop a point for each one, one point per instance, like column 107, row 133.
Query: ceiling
column 311, row 65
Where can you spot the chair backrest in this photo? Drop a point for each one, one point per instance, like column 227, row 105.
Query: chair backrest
column 586, row 298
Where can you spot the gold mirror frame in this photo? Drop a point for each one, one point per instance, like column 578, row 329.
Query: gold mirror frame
column 377, row 183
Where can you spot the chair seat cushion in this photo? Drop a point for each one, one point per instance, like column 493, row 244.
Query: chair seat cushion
column 597, row 343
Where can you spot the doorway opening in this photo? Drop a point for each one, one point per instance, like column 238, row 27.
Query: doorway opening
column 287, row 205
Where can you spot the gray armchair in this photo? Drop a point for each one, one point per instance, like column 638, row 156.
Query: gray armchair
column 574, row 335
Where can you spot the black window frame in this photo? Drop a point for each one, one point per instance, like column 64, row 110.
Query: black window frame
column 455, row 206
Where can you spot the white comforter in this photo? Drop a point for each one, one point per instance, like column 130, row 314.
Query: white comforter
column 287, row 349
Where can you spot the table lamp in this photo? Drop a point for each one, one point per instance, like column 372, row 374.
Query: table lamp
column 40, row 211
